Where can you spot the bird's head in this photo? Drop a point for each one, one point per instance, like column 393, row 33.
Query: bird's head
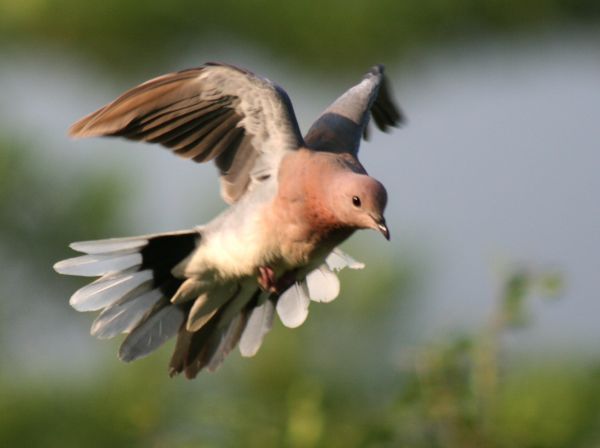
column 361, row 201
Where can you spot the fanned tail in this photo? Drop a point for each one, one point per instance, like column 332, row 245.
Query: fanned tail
column 138, row 295
column 135, row 287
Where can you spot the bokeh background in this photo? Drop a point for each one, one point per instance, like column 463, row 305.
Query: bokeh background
column 476, row 327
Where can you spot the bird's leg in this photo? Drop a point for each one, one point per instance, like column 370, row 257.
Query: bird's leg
column 266, row 279
column 268, row 282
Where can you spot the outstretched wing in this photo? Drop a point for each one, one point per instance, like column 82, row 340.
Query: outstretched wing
column 215, row 112
column 341, row 126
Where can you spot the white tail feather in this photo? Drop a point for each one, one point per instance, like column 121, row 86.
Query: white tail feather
column 259, row 324
column 116, row 245
column 109, row 289
column 97, row 265
column 338, row 260
column 323, row 284
column 111, row 245
column 292, row 306
column 123, row 317
column 132, row 300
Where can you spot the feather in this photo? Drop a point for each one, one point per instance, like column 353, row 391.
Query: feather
column 259, row 324
column 292, row 306
column 246, row 292
column 96, row 265
column 235, row 166
column 323, row 284
column 338, row 260
column 109, row 245
column 228, row 342
column 183, row 140
column 180, row 353
column 164, row 114
column 199, row 147
column 209, row 346
column 341, row 126
column 198, row 113
column 208, row 304
column 190, row 289
column 122, row 317
column 109, row 289
column 181, row 126
column 151, row 333
column 201, row 347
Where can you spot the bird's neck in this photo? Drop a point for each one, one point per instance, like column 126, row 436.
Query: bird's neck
column 304, row 208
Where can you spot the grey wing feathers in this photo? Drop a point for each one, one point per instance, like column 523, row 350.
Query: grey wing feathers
column 214, row 112
column 342, row 125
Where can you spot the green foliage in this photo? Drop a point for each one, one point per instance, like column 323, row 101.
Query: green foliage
column 521, row 284
column 54, row 416
column 462, row 395
column 552, row 407
column 331, row 35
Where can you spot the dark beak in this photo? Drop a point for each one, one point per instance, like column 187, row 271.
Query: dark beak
column 382, row 227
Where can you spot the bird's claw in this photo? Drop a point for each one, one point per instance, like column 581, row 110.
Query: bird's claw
column 269, row 283
column 266, row 279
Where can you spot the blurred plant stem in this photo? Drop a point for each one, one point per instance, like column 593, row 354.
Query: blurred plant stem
column 458, row 384
column 520, row 284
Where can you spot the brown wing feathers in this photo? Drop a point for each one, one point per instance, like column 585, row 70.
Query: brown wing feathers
column 202, row 114
column 171, row 111
column 193, row 128
column 141, row 100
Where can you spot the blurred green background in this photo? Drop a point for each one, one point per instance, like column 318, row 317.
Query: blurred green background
column 476, row 327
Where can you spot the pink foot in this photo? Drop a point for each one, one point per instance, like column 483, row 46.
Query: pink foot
column 266, row 279
column 268, row 282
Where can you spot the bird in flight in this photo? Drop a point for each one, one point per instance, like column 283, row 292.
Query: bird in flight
column 292, row 200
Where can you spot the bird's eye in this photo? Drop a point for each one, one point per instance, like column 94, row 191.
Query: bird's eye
column 356, row 201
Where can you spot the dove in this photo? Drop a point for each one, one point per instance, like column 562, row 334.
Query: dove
column 292, row 201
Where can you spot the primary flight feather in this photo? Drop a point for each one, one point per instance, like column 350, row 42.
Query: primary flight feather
column 293, row 200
